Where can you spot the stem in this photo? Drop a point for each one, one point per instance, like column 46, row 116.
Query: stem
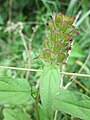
column 10, row 11
column 30, row 48
column 9, row 20
column 77, row 74
column 81, row 85
column 55, row 117
column 26, row 49
column 36, row 106
column 86, row 61
column 61, row 84
column 23, row 69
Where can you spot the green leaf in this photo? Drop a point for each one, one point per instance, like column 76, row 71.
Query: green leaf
column 49, row 85
column 42, row 114
column 71, row 6
column 73, row 103
column 15, row 114
column 82, row 19
column 14, row 91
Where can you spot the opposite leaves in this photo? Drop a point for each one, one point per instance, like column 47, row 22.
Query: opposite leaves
column 55, row 98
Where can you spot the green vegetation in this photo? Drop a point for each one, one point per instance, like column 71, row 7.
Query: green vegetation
column 36, row 37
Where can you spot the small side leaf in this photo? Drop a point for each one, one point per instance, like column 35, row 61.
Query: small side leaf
column 73, row 103
column 14, row 91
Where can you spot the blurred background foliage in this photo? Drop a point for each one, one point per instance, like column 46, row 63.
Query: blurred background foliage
column 22, row 29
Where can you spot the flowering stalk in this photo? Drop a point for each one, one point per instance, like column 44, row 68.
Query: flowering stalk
column 58, row 40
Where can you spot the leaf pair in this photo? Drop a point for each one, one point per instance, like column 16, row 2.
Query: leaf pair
column 55, row 98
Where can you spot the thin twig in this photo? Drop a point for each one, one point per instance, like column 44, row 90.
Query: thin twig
column 61, row 78
column 77, row 16
column 74, row 76
column 23, row 69
column 81, row 85
column 36, row 70
column 30, row 48
column 9, row 20
column 55, row 116
column 26, row 48
column 10, row 11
